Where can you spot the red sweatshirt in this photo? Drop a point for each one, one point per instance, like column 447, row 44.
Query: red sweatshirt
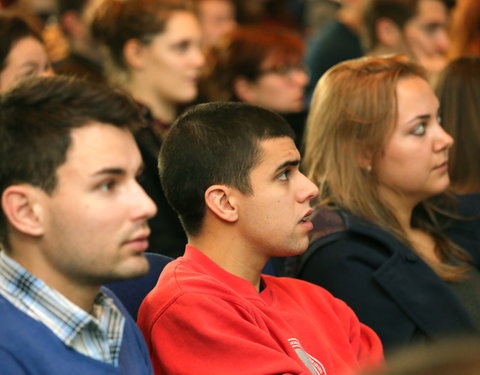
column 200, row 319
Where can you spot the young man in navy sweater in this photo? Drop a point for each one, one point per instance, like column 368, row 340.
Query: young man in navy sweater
column 72, row 218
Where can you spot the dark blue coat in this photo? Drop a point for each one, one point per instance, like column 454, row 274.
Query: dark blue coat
column 389, row 287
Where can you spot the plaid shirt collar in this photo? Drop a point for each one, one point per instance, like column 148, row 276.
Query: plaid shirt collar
column 98, row 335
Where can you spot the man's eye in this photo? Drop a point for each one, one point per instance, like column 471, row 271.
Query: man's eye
column 29, row 73
column 107, row 185
column 182, row 46
column 284, row 175
column 432, row 28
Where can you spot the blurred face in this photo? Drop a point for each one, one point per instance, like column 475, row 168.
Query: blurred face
column 26, row 58
column 280, row 90
column 96, row 218
column 173, row 60
column 273, row 218
column 217, row 18
column 79, row 30
column 426, row 34
column 413, row 165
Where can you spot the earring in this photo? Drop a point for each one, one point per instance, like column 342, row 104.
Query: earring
column 369, row 168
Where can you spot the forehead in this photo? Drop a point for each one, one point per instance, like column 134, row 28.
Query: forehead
column 181, row 24
column 431, row 11
column 27, row 48
column 275, row 151
column 413, row 85
column 415, row 97
column 216, row 6
column 97, row 145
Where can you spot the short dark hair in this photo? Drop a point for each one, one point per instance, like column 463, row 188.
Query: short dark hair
column 70, row 5
column 213, row 143
column 13, row 27
column 36, row 118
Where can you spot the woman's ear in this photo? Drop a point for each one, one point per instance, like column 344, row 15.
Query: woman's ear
column 365, row 160
column 388, row 33
column 23, row 208
column 221, row 202
column 134, row 52
column 244, row 89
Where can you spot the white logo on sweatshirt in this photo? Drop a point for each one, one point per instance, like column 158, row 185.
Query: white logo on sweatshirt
column 313, row 364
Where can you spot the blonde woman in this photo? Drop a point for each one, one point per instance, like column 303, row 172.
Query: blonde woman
column 376, row 149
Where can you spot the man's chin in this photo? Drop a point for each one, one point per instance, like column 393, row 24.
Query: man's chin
column 133, row 269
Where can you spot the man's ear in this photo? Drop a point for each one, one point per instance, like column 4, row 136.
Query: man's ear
column 133, row 52
column 220, row 201
column 388, row 33
column 244, row 90
column 23, row 209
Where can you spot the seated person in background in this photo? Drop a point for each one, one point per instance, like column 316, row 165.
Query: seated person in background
column 83, row 59
column 153, row 51
column 217, row 18
column 22, row 52
column 244, row 201
column 458, row 89
column 416, row 28
column 338, row 40
column 262, row 67
column 72, row 218
column 381, row 242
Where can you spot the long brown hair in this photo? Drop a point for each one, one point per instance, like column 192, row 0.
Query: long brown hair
column 353, row 111
column 458, row 90
column 465, row 29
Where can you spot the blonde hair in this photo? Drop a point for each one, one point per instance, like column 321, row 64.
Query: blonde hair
column 352, row 113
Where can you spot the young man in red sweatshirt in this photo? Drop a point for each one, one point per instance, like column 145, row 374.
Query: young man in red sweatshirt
column 231, row 171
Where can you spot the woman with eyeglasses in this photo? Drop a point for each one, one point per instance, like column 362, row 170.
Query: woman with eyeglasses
column 259, row 66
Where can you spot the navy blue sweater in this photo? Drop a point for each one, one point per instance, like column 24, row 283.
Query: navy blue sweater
column 29, row 347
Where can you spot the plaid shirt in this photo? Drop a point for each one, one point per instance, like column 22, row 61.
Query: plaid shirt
column 97, row 335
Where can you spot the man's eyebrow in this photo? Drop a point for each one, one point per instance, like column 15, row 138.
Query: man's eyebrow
column 288, row 163
column 118, row 171
column 434, row 25
column 30, row 64
column 107, row 171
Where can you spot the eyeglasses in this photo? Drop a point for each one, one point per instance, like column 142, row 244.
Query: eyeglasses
column 287, row 70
